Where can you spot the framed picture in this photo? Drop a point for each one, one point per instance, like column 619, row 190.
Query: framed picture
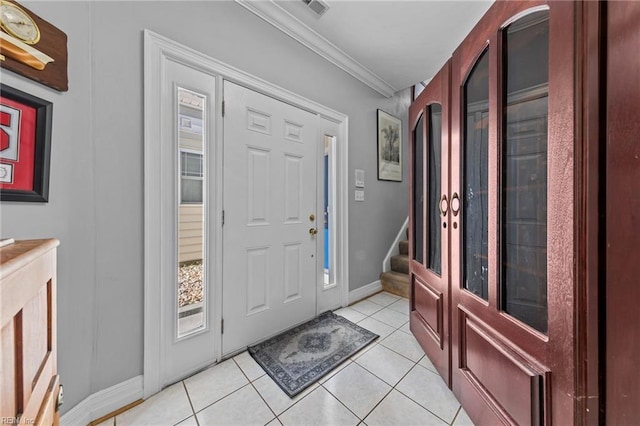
column 25, row 146
column 389, row 147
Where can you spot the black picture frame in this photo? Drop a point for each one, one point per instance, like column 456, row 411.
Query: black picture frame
column 39, row 191
column 389, row 131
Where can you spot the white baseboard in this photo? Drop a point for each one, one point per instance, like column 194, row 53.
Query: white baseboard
column 365, row 291
column 104, row 402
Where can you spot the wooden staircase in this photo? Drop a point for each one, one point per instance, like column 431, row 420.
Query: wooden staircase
column 396, row 281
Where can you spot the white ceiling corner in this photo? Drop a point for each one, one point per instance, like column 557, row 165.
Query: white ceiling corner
column 299, row 31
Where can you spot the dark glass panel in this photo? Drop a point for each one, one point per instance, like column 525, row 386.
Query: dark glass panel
column 435, row 191
column 418, row 192
column 524, row 174
column 475, row 205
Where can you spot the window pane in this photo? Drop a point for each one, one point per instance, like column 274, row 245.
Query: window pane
column 191, row 283
column 524, row 174
column 435, row 233
column 191, row 164
column 475, row 206
column 191, row 191
column 418, row 192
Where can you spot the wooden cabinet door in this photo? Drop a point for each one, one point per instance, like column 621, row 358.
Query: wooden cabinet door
column 512, row 230
column 429, row 221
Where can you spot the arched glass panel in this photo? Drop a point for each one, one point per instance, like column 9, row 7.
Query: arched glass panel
column 418, row 192
column 475, row 206
column 434, row 188
column 524, row 169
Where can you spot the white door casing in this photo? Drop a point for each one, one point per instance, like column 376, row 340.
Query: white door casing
column 159, row 51
column 269, row 235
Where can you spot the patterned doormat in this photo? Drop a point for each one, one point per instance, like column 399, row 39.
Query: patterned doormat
column 298, row 357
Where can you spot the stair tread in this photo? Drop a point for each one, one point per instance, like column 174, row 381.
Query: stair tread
column 396, row 275
column 395, row 282
column 401, row 256
column 400, row 263
column 404, row 247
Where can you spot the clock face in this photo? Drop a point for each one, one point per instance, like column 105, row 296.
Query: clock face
column 18, row 23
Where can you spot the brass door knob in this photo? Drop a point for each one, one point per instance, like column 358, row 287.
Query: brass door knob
column 313, row 231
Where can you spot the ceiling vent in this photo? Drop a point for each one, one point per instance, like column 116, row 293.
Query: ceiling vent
column 318, row 6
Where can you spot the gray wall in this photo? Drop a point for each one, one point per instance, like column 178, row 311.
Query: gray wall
column 96, row 206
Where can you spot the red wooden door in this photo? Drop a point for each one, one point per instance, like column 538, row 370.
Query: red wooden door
column 512, row 231
column 429, row 221
column 622, row 206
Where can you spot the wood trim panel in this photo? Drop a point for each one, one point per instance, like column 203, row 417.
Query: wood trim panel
column 428, row 304
column 514, row 387
column 590, row 131
column 621, row 206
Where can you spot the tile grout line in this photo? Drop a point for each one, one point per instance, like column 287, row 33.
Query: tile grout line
column 351, row 411
column 394, row 386
column 295, row 403
column 410, row 398
column 456, row 416
column 184, row 385
column 275, row 416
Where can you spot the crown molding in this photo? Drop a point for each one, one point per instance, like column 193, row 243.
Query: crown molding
column 296, row 29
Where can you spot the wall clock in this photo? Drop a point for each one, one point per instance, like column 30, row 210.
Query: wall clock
column 18, row 23
column 31, row 46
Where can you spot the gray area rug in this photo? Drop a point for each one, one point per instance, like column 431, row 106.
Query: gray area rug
column 297, row 358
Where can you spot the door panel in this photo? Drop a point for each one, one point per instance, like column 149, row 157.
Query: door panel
column 187, row 180
column 512, row 324
column 269, row 267
column 429, row 218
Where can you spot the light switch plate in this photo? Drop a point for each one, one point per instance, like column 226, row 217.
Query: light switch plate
column 359, row 178
column 359, row 195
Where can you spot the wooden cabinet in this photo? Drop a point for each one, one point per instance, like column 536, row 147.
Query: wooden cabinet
column 28, row 370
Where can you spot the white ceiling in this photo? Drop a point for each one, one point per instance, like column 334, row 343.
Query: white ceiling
column 389, row 45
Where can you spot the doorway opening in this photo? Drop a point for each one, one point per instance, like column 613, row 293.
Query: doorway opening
column 184, row 171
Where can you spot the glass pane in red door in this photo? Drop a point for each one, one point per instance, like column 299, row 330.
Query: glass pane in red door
column 524, row 170
column 418, row 192
column 434, row 188
column 475, row 206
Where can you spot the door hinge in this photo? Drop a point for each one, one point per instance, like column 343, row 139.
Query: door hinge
column 222, row 326
column 222, row 217
column 223, row 107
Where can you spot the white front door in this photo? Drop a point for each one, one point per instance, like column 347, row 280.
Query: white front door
column 271, row 217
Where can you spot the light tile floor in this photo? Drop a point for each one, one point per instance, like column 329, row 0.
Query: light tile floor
column 390, row 382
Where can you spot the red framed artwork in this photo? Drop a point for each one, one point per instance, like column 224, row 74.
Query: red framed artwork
column 25, row 146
